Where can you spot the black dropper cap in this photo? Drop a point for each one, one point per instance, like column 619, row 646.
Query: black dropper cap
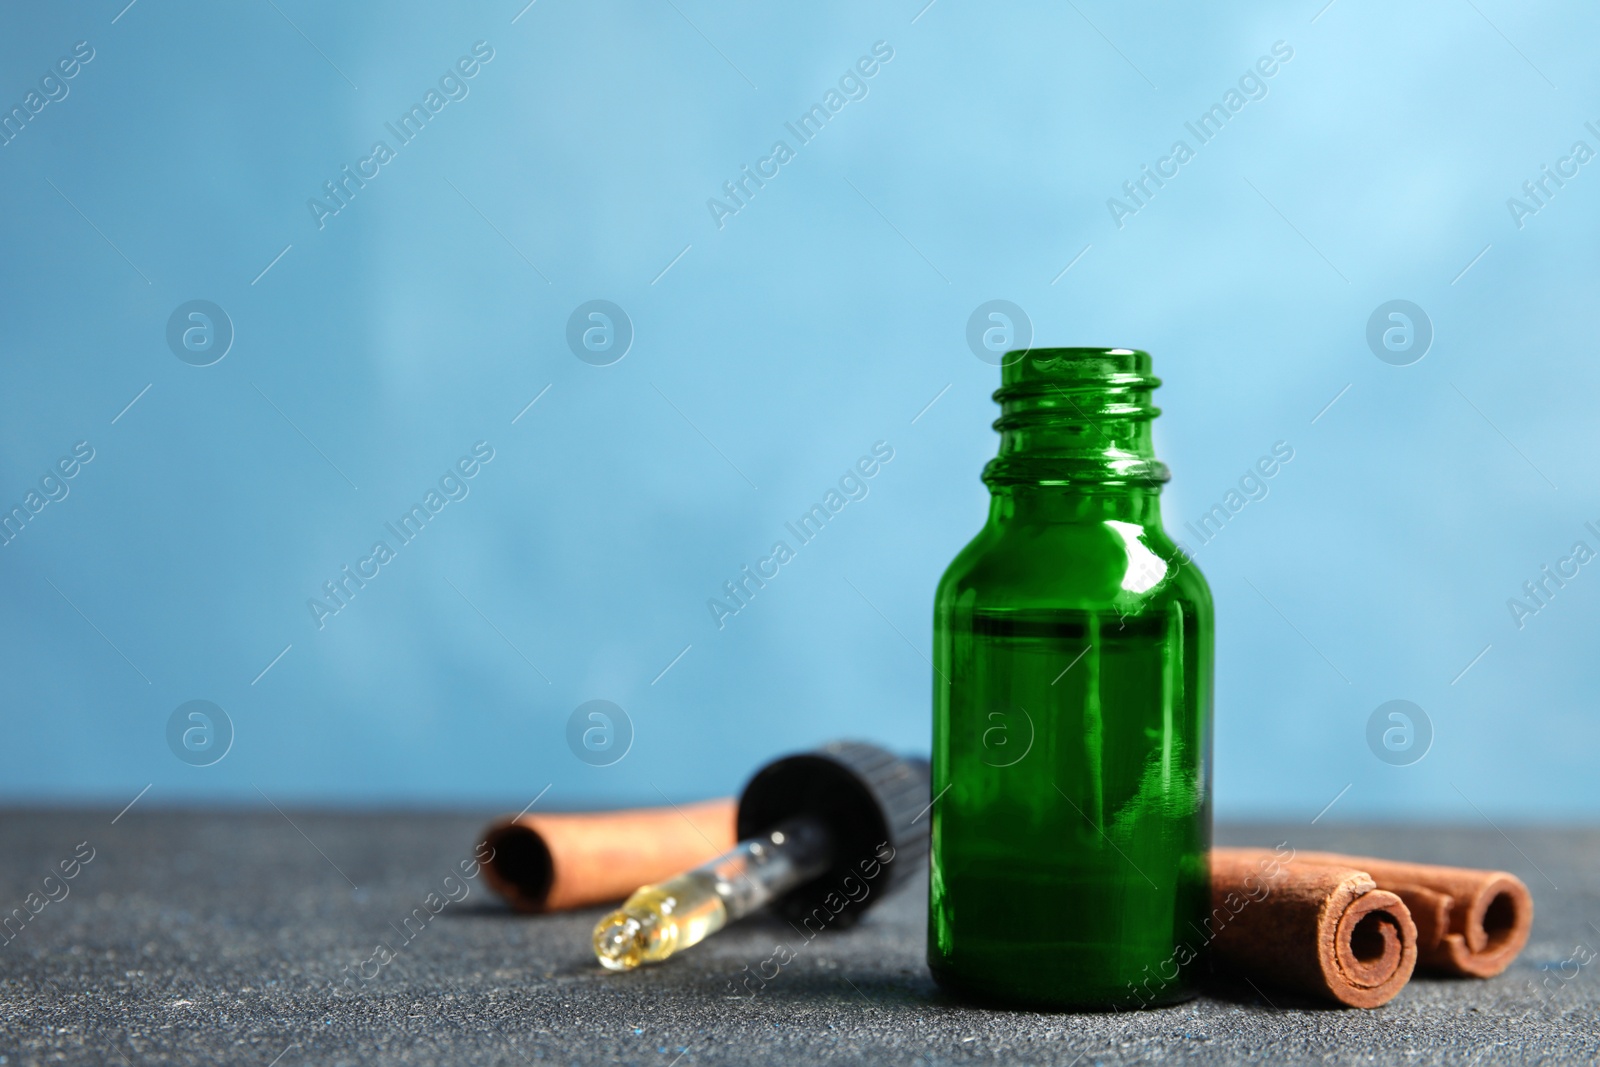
column 874, row 805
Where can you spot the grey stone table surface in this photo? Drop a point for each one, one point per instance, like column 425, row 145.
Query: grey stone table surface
column 253, row 938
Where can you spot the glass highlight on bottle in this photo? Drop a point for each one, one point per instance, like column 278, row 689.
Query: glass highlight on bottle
column 1072, row 709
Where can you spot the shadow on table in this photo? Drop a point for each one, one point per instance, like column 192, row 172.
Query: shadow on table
column 832, row 966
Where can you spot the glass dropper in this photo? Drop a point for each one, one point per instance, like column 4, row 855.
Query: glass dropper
column 659, row 920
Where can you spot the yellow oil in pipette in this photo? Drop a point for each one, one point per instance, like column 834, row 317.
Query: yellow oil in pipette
column 659, row 920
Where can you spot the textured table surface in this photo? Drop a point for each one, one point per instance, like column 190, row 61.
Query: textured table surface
column 227, row 938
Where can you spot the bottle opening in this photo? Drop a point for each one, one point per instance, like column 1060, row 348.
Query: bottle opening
column 1110, row 366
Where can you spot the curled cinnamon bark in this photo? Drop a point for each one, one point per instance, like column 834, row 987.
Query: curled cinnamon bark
column 1323, row 929
column 1471, row 923
column 555, row 862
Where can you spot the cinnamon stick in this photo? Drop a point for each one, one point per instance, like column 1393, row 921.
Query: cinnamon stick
column 1321, row 928
column 554, row 862
column 1471, row 923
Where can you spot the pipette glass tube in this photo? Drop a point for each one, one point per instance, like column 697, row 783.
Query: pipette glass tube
column 659, row 920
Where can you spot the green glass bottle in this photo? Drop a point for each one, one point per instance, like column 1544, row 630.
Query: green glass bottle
column 1072, row 709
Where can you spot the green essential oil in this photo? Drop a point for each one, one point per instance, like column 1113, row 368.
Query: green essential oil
column 1072, row 709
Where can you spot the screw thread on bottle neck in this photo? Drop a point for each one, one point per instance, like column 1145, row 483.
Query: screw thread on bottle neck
column 1076, row 417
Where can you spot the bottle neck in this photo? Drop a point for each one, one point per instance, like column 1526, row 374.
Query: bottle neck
column 1077, row 419
column 1053, row 504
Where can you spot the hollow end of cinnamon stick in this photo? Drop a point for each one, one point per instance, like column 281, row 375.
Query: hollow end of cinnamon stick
column 553, row 862
column 1321, row 929
column 1471, row 923
column 1493, row 928
column 1374, row 948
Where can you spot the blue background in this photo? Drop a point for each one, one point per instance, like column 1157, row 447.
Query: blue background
column 769, row 354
